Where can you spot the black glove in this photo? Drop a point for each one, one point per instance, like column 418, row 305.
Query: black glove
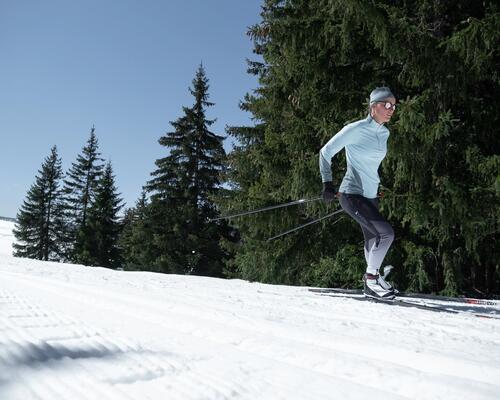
column 328, row 193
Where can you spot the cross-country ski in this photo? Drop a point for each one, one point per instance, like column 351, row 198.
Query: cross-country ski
column 475, row 307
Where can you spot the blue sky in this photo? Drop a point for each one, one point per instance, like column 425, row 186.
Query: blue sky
column 124, row 66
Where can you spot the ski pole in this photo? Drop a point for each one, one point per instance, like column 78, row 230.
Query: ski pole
column 307, row 224
column 301, row 201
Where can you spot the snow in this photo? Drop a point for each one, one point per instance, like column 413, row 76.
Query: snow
column 6, row 239
column 74, row 332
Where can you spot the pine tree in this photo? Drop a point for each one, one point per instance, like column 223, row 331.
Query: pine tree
column 181, row 191
column 136, row 237
column 79, row 190
column 320, row 61
column 99, row 236
column 40, row 221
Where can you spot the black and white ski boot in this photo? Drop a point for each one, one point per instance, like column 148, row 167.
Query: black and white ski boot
column 381, row 279
column 374, row 289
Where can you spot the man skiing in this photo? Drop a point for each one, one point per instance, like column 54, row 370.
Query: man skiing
column 365, row 143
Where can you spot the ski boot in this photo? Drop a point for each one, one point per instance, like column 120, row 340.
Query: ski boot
column 386, row 285
column 373, row 288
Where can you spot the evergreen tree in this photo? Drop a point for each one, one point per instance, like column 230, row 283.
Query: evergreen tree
column 79, row 190
column 320, row 60
column 136, row 237
column 40, row 221
column 181, row 191
column 99, row 236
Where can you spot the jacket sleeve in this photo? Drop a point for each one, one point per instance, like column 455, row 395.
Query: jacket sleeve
column 345, row 136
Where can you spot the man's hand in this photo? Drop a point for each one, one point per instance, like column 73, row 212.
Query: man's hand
column 328, row 193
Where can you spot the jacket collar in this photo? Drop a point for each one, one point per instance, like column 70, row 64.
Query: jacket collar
column 370, row 120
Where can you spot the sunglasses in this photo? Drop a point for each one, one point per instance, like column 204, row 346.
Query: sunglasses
column 388, row 105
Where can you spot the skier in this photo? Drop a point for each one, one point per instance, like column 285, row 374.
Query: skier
column 365, row 143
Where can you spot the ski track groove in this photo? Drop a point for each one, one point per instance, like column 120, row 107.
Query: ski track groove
column 297, row 310
column 114, row 309
column 36, row 350
column 386, row 324
column 189, row 311
column 60, row 389
column 148, row 305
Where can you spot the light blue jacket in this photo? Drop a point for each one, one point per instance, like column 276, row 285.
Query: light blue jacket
column 365, row 143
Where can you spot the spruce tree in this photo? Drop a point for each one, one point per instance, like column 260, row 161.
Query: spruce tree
column 99, row 236
column 40, row 221
column 79, row 191
column 320, row 61
column 181, row 192
column 136, row 236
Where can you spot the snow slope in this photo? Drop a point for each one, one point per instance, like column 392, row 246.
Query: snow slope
column 73, row 332
column 6, row 239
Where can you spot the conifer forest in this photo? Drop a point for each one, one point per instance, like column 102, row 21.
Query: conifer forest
column 316, row 64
